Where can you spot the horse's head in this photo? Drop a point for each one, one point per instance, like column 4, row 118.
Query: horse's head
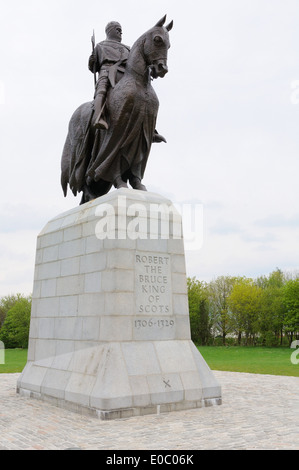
column 156, row 45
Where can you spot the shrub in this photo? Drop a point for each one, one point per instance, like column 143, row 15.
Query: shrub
column 15, row 330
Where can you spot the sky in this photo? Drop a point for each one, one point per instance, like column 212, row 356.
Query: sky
column 229, row 109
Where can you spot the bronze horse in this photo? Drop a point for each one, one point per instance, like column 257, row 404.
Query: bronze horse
column 94, row 160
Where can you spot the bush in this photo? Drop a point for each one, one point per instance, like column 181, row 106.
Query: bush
column 271, row 340
column 15, row 329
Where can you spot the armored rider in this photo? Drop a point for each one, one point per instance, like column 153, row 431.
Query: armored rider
column 108, row 60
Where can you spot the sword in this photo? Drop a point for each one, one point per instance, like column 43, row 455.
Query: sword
column 93, row 42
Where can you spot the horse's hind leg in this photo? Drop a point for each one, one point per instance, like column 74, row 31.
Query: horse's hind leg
column 87, row 195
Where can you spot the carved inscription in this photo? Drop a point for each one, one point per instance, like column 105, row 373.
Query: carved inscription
column 153, row 284
column 154, row 322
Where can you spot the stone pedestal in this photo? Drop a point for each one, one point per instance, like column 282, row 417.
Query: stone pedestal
column 110, row 330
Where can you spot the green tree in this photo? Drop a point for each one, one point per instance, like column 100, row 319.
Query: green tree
column 271, row 318
column 199, row 312
column 15, row 329
column 275, row 279
column 6, row 303
column 218, row 293
column 245, row 302
column 291, row 303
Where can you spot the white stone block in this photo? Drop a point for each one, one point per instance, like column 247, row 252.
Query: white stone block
column 152, row 245
column 111, row 391
column 122, row 244
column 44, row 351
column 34, row 327
column 50, row 253
column 110, row 326
column 68, row 328
column 72, row 248
column 53, row 225
column 36, row 293
column 180, row 304
column 48, row 270
column 182, row 326
column 93, row 244
column 175, row 356
column 121, row 280
column 91, row 304
column 50, row 239
column 120, row 259
column 70, row 285
column 79, row 388
column 90, row 328
column 68, row 306
column 48, row 288
column 179, row 283
column 89, row 229
column 175, row 246
column 39, row 256
column 46, row 328
column 69, row 220
column 32, row 377
column 178, row 264
column 87, row 358
column 63, row 354
column 94, row 262
column 116, row 328
column 70, row 266
column 211, row 388
column 119, row 303
column 139, row 385
column 140, row 358
column 55, row 382
column 192, row 385
column 92, row 282
column 72, row 233
column 165, row 388
column 45, row 307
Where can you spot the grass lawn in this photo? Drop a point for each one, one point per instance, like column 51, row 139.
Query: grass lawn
column 15, row 361
column 256, row 360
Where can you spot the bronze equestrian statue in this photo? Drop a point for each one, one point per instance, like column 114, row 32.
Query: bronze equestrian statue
column 108, row 59
column 109, row 139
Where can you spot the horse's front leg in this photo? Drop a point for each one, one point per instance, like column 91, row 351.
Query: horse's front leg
column 135, row 182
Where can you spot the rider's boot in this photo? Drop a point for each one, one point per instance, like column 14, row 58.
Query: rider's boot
column 100, row 122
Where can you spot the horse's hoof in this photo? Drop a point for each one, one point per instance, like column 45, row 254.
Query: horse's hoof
column 141, row 187
column 136, row 184
column 120, row 183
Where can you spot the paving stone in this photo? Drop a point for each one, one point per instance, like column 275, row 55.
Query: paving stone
column 257, row 413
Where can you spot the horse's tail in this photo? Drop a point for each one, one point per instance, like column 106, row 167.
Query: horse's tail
column 65, row 165
column 73, row 155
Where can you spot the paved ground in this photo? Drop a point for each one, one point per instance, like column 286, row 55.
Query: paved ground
column 258, row 412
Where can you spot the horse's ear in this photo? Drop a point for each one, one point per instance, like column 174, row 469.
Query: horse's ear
column 161, row 21
column 169, row 26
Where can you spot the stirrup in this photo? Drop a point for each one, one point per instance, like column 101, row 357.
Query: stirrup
column 101, row 124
